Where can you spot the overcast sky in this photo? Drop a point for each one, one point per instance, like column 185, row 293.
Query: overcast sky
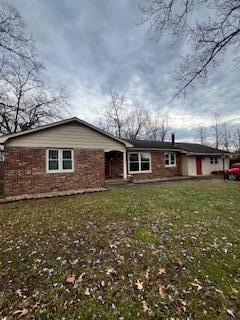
column 94, row 45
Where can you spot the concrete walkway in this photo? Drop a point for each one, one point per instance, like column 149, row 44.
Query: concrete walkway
column 126, row 184
column 50, row 194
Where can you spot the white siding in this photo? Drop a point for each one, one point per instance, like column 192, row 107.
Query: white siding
column 192, row 170
column 189, row 165
column 207, row 167
column 67, row 136
column 184, row 163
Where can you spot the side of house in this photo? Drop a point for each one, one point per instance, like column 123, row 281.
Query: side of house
column 153, row 160
column 73, row 154
column 202, row 160
column 68, row 155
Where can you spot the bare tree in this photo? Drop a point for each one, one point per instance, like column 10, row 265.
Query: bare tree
column 14, row 38
column 202, row 134
column 216, row 129
column 26, row 100
column 157, row 127
column 136, row 122
column 226, row 136
column 126, row 120
column 113, row 118
column 236, row 138
column 211, row 36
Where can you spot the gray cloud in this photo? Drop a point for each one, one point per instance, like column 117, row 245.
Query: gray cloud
column 92, row 46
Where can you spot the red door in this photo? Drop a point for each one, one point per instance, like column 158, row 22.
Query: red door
column 199, row 165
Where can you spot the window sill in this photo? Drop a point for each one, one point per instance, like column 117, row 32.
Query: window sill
column 146, row 171
column 59, row 171
column 171, row 166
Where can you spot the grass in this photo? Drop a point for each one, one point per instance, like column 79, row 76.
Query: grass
column 168, row 251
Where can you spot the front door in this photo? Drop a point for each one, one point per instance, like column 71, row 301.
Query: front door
column 108, row 165
column 199, row 165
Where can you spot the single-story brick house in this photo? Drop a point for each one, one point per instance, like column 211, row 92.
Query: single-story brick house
column 73, row 154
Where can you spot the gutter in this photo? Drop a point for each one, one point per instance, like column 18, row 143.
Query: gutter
column 155, row 149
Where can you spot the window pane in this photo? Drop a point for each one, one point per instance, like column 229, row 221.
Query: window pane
column 53, row 165
column 133, row 156
column 166, row 159
column 134, row 166
column 53, row 154
column 145, row 156
column 145, row 166
column 67, row 164
column 172, row 158
column 67, row 154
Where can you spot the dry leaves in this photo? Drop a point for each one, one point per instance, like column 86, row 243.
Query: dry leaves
column 164, row 289
column 110, row 271
column 139, row 285
column 22, row 312
column 71, row 279
column 161, row 271
column 145, row 306
column 180, row 306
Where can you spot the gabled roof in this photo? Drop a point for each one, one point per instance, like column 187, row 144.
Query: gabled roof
column 5, row 138
column 192, row 148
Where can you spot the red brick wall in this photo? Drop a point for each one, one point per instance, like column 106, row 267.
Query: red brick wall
column 1, row 176
column 25, row 171
column 158, row 167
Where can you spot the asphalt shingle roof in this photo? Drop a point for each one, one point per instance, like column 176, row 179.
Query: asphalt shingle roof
column 188, row 147
column 151, row 144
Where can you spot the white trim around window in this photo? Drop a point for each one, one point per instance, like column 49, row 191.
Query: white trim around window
column 59, row 160
column 170, row 159
column 139, row 160
column 213, row 160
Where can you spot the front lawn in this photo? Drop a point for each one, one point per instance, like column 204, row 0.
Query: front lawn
column 167, row 251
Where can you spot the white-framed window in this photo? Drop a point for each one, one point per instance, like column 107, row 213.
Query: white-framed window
column 139, row 162
column 59, row 160
column 214, row 160
column 170, row 159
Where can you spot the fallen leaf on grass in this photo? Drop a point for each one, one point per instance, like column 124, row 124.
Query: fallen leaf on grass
column 146, row 275
column 178, row 263
column 230, row 312
column 180, row 306
column 145, row 306
column 71, row 278
column 110, row 271
column 197, row 285
column 163, row 290
column 139, row 285
column 161, row 271
column 22, row 312
column 87, row 292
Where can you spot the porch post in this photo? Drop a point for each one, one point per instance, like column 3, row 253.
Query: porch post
column 124, row 164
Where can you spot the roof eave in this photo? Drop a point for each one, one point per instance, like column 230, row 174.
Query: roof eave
column 155, row 149
column 4, row 139
column 207, row 153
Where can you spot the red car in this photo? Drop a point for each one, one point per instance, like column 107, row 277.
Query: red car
column 233, row 173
